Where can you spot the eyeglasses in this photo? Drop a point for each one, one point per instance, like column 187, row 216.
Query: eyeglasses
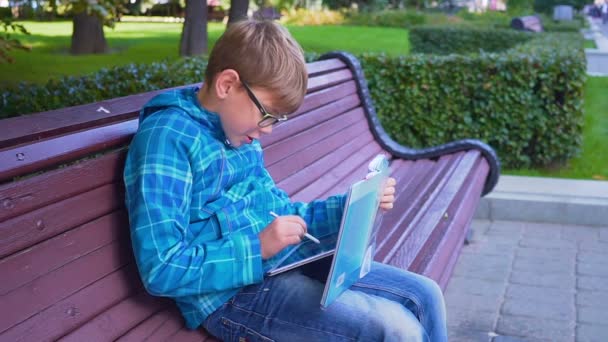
column 267, row 118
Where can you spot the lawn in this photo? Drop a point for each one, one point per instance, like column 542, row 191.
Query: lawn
column 149, row 42
column 592, row 163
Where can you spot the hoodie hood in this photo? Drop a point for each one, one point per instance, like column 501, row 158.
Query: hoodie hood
column 186, row 101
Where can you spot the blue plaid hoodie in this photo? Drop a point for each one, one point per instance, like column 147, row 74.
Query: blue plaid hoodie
column 196, row 206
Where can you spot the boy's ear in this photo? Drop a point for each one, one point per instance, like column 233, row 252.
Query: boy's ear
column 226, row 81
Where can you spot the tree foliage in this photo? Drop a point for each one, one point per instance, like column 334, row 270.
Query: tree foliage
column 8, row 43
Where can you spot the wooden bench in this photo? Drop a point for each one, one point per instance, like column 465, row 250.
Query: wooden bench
column 66, row 261
column 530, row 23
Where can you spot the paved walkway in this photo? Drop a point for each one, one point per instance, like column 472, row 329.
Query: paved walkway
column 597, row 59
column 521, row 281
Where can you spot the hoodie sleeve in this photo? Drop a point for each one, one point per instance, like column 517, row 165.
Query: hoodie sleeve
column 158, row 178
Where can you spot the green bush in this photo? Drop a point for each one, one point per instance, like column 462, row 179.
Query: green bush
column 387, row 18
column 444, row 40
column 103, row 85
column 526, row 102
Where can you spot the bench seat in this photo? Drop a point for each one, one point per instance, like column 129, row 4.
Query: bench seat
column 65, row 254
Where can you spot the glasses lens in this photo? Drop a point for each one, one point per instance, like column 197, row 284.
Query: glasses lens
column 267, row 121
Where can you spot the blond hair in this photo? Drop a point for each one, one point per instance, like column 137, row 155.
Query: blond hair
column 266, row 56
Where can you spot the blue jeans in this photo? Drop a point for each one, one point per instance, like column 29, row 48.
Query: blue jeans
column 388, row 304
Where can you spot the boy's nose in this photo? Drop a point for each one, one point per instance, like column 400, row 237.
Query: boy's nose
column 266, row 130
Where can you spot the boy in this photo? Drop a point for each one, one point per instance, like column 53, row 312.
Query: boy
column 199, row 199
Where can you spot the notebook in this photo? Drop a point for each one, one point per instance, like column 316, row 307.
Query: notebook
column 352, row 248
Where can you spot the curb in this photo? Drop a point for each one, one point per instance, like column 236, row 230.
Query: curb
column 549, row 200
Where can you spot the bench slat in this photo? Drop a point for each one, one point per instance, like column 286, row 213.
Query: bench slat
column 65, row 315
column 148, row 327
column 325, row 66
column 324, row 96
column 22, row 196
column 51, row 254
column 118, row 319
column 28, row 229
column 45, row 291
column 315, row 151
column 354, row 167
column 302, row 140
column 310, row 173
column 185, row 335
column 318, row 115
column 330, row 79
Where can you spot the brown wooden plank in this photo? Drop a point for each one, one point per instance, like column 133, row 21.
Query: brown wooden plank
column 53, row 253
column 303, row 139
column 314, row 171
column 321, row 67
column 324, row 96
column 146, row 328
column 315, row 151
column 294, row 125
column 326, row 80
column 28, row 229
column 445, row 255
column 67, row 314
column 19, row 197
column 23, row 159
column 118, row 319
column 426, row 180
column 30, row 128
column 47, row 290
column 186, row 335
column 354, row 166
column 167, row 329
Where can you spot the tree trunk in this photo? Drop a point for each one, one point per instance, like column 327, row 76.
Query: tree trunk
column 87, row 35
column 194, row 33
column 238, row 10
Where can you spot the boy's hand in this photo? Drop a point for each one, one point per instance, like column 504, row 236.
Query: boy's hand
column 280, row 233
column 388, row 196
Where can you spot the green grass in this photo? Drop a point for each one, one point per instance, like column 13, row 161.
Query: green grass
column 590, row 44
column 149, row 42
column 592, row 163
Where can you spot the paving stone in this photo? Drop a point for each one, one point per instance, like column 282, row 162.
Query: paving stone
column 474, row 303
column 459, row 285
column 541, row 295
column 595, row 246
column 507, row 227
column 502, row 338
column 592, row 269
column 542, row 242
column 456, row 335
column 480, row 227
column 489, row 267
column 592, row 298
column 542, row 266
column 562, row 281
column 546, row 254
column 580, row 233
column 466, row 319
column 604, row 234
column 491, row 247
column 591, row 333
column 592, row 315
column 550, row 231
column 518, row 326
column 592, row 257
column 592, row 283
column 525, row 307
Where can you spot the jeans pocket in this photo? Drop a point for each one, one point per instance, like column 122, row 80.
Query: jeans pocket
column 235, row 332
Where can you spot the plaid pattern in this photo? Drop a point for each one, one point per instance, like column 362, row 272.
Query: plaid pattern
column 196, row 206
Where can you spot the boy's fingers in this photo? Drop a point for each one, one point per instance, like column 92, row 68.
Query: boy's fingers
column 389, row 190
column 388, row 198
column 297, row 219
column 391, row 181
column 386, row 206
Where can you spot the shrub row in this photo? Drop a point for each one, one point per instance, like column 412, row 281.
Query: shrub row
column 526, row 102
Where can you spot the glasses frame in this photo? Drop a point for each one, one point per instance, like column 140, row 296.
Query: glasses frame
column 264, row 122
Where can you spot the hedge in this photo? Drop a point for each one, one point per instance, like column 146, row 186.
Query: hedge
column 526, row 102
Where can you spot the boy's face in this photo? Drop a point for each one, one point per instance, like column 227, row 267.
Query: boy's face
column 242, row 117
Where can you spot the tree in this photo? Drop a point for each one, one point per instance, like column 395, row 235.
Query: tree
column 238, row 10
column 90, row 16
column 194, row 34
